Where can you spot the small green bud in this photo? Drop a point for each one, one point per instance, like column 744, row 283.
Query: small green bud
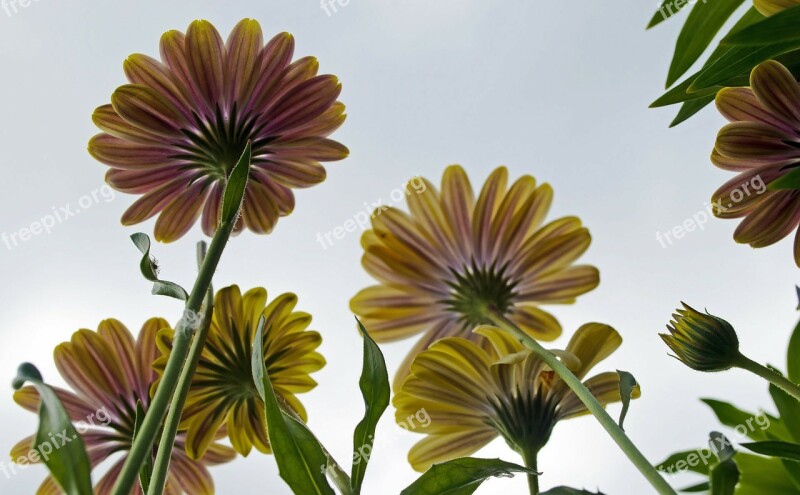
column 702, row 341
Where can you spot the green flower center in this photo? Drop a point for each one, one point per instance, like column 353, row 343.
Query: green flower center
column 477, row 290
column 525, row 420
column 217, row 144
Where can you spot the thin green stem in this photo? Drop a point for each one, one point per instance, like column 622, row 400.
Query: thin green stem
column 611, row 426
column 143, row 443
column 339, row 476
column 161, row 468
column 530, row 458
column 771, row 376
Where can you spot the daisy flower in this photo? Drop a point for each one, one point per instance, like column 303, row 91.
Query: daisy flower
column 174, row 134
column 110, row 373
column 762, row 145
column 223, row 393
column 454, row 256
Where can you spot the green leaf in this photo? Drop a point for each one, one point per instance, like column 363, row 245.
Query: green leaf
column 149, row 268
column 667, row 9
column 461, row 476
column 775, row 28
column 702, row 25
column 146, row 472
column 738, row 61
column 731, row 416
column 690, row 108
column 234, row 189
column 57, row 442
column 670, row 464
column 762, row 476
column 565, row 490
column 627, row 384
column 793, row 355
column 773, row 448
column 301, row 460
column 789, row 409
column 788, row 181
column 724, row 477
column 374, row 384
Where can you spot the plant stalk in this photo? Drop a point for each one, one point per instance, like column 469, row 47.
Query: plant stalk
column 771, row 376
column 143, row 443
column 164, row 455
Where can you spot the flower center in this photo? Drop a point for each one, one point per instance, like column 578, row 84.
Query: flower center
column 216, row 144
column 525, row 420
column 477, row 290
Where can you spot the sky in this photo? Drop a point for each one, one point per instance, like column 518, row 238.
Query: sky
column 557, row 90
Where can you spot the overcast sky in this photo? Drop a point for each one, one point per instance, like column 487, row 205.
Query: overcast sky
column 558, row 90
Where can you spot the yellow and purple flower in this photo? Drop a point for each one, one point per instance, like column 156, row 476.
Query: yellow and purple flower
column 455, row 256
column 762, row 145
column 175, row 132
column 472, row 395
column 110, row 373
column 223, row 393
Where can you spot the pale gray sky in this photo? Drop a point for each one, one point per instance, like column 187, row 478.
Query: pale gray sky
column 556, row 90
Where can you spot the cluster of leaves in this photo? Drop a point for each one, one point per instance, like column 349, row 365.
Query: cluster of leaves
column 770, row 463
column 752, row 39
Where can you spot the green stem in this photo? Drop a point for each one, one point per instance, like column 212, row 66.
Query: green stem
column 771, row 376
column 530, row 458
column 339, row 476
column 143, row 443
column 161, row 468
column 611, row 426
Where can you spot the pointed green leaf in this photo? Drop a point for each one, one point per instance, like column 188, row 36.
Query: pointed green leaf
column 65, row 458
column 374, row 384
column 627, row 384
column 667, row 9
column 461, row 476
column 234, row 189
column 301, row 460
column 149, row 268
column 772, row 448
column 702, row 25
column 689, row 108
column 731, row 416
column 738, row 61
column 775, row 28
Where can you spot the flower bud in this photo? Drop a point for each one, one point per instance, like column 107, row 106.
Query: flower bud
column 703, row 342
